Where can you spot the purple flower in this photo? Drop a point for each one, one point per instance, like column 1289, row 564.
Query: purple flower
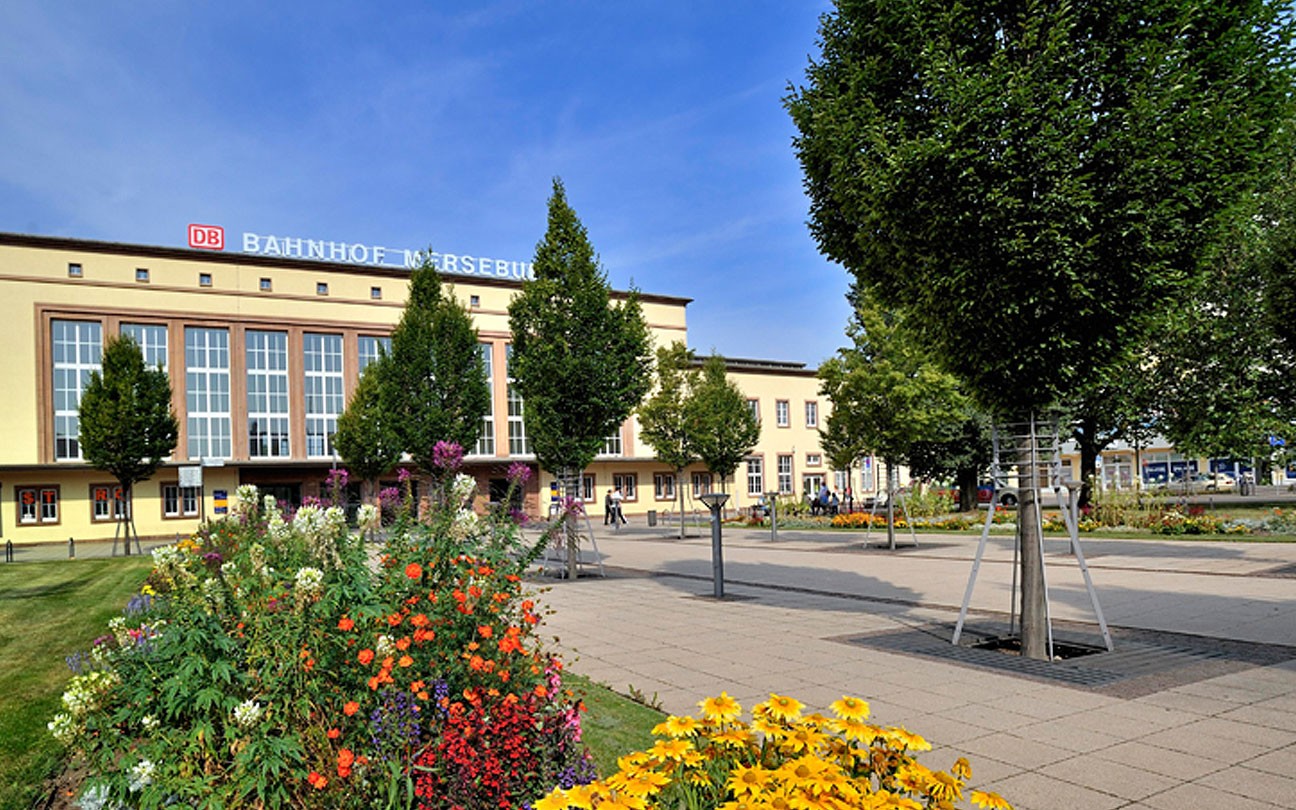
column 447, row 455
column 213, row 558
column 403, row 475
column 519, row 473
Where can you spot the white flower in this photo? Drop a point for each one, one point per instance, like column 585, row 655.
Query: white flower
column 95, row 797
column 368, row 517
column 84, row 691
column 384, row 646
column 63, row 728
column 117, row 626
column 150, row 722
column 466, row 524
column 247, row 713
column 308, row 584
column 462, row 488
column 245, row 499
column 141, row 775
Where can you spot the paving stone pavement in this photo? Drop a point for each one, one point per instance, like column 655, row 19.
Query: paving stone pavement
column 1220, row 735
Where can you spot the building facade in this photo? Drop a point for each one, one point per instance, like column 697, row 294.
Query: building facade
column 263, row 353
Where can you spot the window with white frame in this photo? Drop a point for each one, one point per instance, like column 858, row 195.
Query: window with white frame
column 519, row 444
column 755, row 475
column 76, row 351
column 369, row 348
column 267, row 393
column 782, row 413
column 587, row 488
column 753, row 405
column 814, row 459
column 785, row 475
column 486, row 439
column 612, row 445
column 841, row 480
column 322, row 356
column 664, row 486
column 152, row 340
column 812, row 413
column 701, row 483
column 37, row 505
column 178, row 501
column 628, row 482
column 106, row 502
column 207, row 392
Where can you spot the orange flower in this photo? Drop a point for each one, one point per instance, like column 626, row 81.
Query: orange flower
column 395, row 619
column 541, row 691
column 419, row 620
column 404, row 661
column 350, row 708
column 334, row 733
column 477, row 663
column 486, row 631
column 365, row 657
column 345, row 624
column 403, row 643
column 475, row 592
column 414, row 570
column 317, row 781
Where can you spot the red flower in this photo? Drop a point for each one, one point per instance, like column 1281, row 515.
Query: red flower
column 350, row 708
column 485, row 631
column 345, row 624
column 414, row 570
column 365, row 657
column 317, row 781
column 334, row 733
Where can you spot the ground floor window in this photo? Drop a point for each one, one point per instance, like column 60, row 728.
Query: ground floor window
column 756, row 476
column 37, row 505
column 701, row 483
column 664, row 486
column 587, row 488
column 180, row 502
column 628, row 482
column 106, row 502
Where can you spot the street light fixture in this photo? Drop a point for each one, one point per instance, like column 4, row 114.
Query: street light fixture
column 715, row 501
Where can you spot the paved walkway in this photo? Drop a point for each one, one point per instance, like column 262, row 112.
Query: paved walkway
column 796, row 607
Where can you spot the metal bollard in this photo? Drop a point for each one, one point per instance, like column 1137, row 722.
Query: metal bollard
column 8, row 551
column 71, row 549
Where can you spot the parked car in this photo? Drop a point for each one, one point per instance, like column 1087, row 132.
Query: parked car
column 1208, row 481
column 1004, row 496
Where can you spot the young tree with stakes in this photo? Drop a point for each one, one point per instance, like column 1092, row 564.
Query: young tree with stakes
column 663, row 422
column 724, row 430
column 1035, row 181
column 365, row 438
column 127, row 424
column 580, row 363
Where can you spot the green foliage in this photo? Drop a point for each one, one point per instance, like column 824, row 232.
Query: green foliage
column 580, row 363
column 723, row 428
column 434, row 387
column 1035, row 182
column 365, row 438
column 127, row 425
column 662, row 422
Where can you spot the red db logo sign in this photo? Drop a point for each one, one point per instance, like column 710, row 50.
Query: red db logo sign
column 207, row 237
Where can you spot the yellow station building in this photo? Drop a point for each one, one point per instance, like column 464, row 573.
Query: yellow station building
column 263, row 348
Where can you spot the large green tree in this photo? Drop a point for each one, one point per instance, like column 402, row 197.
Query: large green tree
column 127, row 424
column 581, row 363
column 366, row 439
column 724, row 429
column 663, row 422
column 1036, row 180
column 433, row 383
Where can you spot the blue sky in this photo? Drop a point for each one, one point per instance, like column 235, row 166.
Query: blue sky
column 442, row 125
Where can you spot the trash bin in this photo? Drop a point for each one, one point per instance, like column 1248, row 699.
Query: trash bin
column 652, row 517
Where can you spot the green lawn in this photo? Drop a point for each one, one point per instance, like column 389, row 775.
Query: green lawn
column 48, row 611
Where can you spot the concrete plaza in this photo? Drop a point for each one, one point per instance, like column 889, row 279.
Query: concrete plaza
column 800, row 611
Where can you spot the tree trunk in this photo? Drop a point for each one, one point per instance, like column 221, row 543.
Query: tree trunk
column 679, row 485
column 1087, row 442
column 571, row 485
column 1034, row 611
column 967, row 487
column 891, row 488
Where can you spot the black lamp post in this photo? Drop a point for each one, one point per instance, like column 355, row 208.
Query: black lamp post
column 715, row 501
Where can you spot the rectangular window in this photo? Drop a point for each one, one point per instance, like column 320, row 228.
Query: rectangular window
column 207, row 392
column 474, row 300
column 321, row 288
column 152, row 340
column 587, row 488
column 810, row 484
column 812, row 414
column 74, row 270
column 664, row 486
column 267, row 285
column 375, row 293
column 370, row 348
column 267, row 393
column 106, row 502
column 701, row 483
column 753, row 405
column 629, row 485
column 612, row 445
column 518, row 443
column 204, row 280
column 37, row 505
column 814, row 459
column 179, row 502
column 323, row 391
column 841, row 480
column 142, row 274
column 486, row 439
column 755, row 476
column 77, row 350
column 782, row 413
column 785, row 475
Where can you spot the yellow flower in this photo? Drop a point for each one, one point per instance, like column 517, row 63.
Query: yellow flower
column 944, row 787
column 700, row 778
column 676, row 726
column 147, row 590
column 623, row 803
column 720, row 709
column 962, row 768
column 746, row 781
column 801, row 769
column 890, row 801
column 670, row 749
column 644, row 783
column 853, row 729
column 850, row 708
column 770, row 728
column 733, row 737
column 803, row 739
column 634, row 761
column 906, row 739
column 582, row 796
column 784, row 708
column 990, row 801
